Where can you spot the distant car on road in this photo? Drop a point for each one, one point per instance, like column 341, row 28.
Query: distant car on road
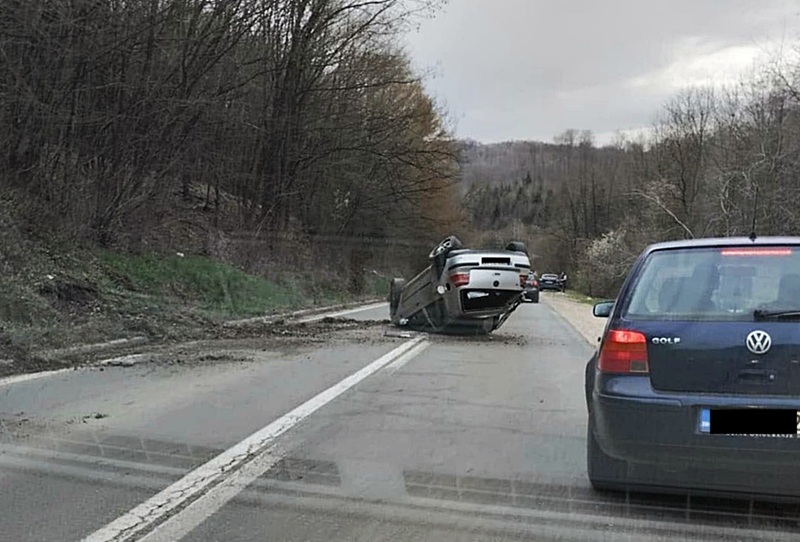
column 550, row 281
column 696, row 383
column 462, row 289
column 531, row 288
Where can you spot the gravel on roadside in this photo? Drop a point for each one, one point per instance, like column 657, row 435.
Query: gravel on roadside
column 578, row 314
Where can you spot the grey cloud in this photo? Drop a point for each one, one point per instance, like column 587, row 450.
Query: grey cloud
column 530, row 69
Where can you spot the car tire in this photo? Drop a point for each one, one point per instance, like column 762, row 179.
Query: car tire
column 395, row 290
column 606, row 473
column 535, row 298
column 444, row 248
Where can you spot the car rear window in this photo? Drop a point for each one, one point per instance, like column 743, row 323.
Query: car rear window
column 717, row 284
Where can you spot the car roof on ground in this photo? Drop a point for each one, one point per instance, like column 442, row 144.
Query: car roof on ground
column 712, row 242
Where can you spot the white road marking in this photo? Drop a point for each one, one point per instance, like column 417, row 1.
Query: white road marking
column 318, row 317
column 398, row 364
column 7, row 381
column 185, row 521
column 181, row 524
column 254, row 452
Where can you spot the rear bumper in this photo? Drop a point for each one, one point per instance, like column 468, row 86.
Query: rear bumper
column 549, row 286
column 486, row 301
column 635, row 423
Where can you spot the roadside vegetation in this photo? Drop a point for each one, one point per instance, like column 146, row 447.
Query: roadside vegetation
column 165, row 165
column 91, row 296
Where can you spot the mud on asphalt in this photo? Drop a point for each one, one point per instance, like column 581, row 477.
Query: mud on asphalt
column 202, row 344
column 243, row 344
column 221, row 344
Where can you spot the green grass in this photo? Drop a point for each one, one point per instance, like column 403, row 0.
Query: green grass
column 215, row 287
column 55, row 299
column 377, row 285
column 55, row 293
column 221, row 290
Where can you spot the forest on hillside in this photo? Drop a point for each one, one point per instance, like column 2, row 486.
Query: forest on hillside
column 717, row 162
column 263, row 120
column 244, row 129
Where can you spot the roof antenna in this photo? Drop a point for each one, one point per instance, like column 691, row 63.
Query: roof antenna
column 755, row 216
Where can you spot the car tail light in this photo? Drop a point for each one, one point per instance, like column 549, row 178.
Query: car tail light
column 535, row 283
column 459, row 279
column 624, row 352
column 523, row 279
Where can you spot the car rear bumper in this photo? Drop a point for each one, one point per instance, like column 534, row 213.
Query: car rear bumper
column 635, row 423
column 549, row 286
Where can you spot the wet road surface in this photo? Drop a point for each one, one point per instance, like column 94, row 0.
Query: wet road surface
column 438, row 438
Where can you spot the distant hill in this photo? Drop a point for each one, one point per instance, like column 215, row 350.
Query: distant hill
column 568, row 184
column 546, row 164
column 507, row 162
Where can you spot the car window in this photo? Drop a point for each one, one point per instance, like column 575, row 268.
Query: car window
column 714, row 284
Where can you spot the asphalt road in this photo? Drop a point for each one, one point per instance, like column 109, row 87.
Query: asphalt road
column 391, row 438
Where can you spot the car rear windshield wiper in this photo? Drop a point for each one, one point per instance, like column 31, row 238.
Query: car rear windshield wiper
column 776, row 315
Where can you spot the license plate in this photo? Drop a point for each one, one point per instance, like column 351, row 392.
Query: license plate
column 750, row 422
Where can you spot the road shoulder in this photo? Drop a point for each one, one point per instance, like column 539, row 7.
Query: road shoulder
column 579, row 315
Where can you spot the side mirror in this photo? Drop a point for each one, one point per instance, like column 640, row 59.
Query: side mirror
column 603, row 309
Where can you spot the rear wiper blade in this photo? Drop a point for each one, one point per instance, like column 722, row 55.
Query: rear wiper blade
column 776, row 315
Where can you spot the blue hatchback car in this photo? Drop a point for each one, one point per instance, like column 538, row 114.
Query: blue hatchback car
column 696, row 382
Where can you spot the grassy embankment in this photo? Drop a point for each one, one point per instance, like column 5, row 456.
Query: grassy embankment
column 55, row 299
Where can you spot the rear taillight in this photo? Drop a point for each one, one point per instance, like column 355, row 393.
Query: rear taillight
column 624, row 352
column 459, row 279
column 523, row 279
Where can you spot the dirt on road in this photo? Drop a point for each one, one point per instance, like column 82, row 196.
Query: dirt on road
column 221, row 343
column 202, row 345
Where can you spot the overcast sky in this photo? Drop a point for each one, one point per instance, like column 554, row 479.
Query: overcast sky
column 529, row 69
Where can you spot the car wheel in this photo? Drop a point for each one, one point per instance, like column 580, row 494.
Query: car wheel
column 535, row 298
column 443, row 248
column 606, row 473
column 395, row 289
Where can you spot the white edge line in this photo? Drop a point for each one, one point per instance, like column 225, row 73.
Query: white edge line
column 400, row 362
column 337, row 314
column 191, row 517
column 16, row 379
column 145, row 515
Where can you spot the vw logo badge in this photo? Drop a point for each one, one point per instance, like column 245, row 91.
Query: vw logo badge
column 759, row 342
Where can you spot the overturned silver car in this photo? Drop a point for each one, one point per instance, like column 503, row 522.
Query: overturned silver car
column 462, row 290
